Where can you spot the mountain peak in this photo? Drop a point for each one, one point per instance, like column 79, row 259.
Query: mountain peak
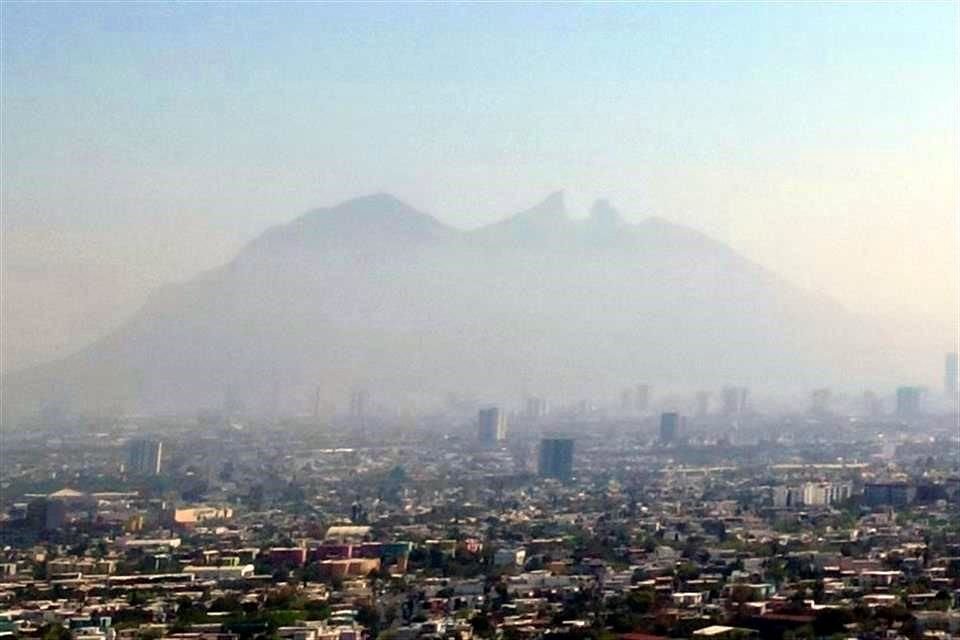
column 375, row 204
column 542, row 220
column 376, row 218
column 602, row 213
column 553, row 202
column 550, row 209
column 554, row 205
column 378, row 210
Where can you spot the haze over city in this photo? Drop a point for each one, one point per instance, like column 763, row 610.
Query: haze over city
column 480, row 321
column 146, row 143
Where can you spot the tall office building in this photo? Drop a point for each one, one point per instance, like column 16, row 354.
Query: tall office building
column 820, row 401
column 556, row 458
column 670, row 427
column 641, row 397
column 703, row 403
column 908, row 401
column 951, row 386
column 491, row 426
column 145, row 457
column 534, row 408
column 359, row 403
column 897, row 494
column 872, row 406
column 45, row 514
column 734, row 401
column 317, row 408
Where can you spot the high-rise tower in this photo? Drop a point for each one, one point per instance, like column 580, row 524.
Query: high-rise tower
column 951, row 386
column 491, row 426
column 670, row 427
column 556, row 457
column 145, row 457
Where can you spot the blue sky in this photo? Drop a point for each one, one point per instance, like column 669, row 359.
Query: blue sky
column 817, row 138
column 396, row 91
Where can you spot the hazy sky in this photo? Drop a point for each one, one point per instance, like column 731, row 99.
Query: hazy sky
column 143, row 142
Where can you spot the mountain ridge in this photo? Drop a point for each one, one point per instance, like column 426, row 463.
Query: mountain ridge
column 374, row 292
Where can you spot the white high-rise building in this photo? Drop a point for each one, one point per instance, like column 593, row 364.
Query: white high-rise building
column 811, row 494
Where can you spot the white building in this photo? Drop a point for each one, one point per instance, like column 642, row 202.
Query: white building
column 220, row 573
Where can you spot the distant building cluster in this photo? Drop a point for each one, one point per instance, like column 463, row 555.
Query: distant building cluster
column 812, row 494
column 642, row 519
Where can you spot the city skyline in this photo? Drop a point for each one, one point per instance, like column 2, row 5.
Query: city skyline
column 479, row 321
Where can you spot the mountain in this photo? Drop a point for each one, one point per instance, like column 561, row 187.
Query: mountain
column 372, row 293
